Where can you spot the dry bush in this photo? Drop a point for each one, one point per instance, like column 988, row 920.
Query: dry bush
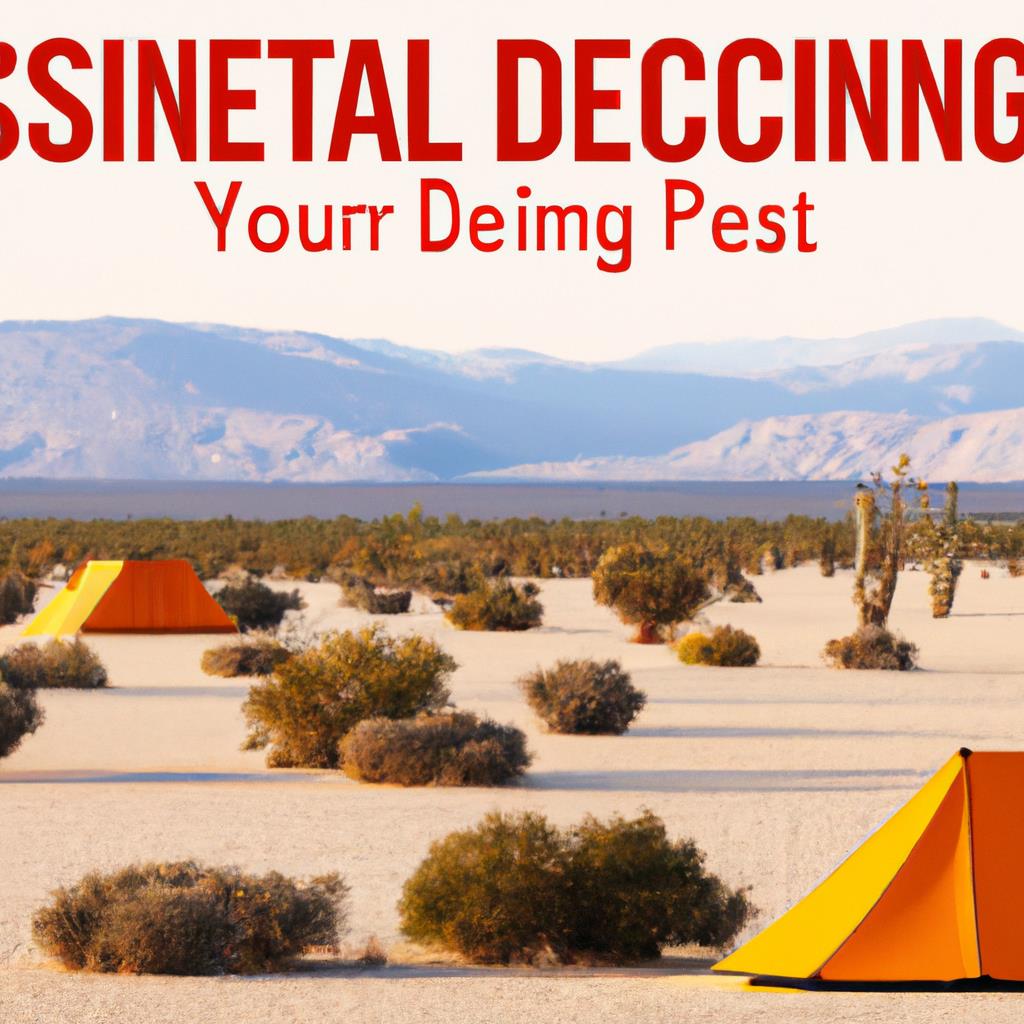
column 252, row 656
column 182, row 918
column 373, row 954
column 500, row 606
column 871, row 647
column 57, row 664
column 319, row 694
column 583, row 696
column 17, row 597
column 20, row 715
column 454, row 748
column 723, row 646
column 651, row 590
column 254, row 605
column 1015, row 567
column 360, row 593
column 516, row 889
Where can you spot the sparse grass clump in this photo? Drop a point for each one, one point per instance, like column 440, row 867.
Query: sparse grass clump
column 254, row 605
column 723, row 646
column 17, row 597
column 359, row 593
column 251, row 656
column 453, row 748
column 871, row 647
column 182, row 918
column 500, row 606
column 312, row 700
column 516, row 889
column 57, row 664
column 583, row 696
column 20, row 715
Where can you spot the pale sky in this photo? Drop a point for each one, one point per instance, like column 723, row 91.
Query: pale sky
column 896, row 242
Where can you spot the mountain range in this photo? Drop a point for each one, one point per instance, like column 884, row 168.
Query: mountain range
column 144, row 399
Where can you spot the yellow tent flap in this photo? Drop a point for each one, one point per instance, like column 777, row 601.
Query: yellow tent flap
column 67, row 612
column 936, row 894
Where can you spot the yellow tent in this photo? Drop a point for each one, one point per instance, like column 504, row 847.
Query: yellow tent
column 163, row 596
column 935, row 894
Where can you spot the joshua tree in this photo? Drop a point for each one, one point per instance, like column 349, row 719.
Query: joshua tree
column 942, row 544
column 881, row 523
column 827, row 560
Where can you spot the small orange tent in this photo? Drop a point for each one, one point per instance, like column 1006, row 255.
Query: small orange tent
column 162, row 596
column 935, row 894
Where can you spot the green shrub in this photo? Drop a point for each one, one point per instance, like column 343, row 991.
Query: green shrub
column 648, row 589
column 20, row 715
column 252, row 656
column 515, row 888
column 57, row 664
column 182, row 918
column 634, row 891
column 499, row 606
column 17, row 597
column 583, row 697
column 318, row 695
column 253, row 605
column 360, row 593
column 871, row 647
column 453, row 748
column 723, row 646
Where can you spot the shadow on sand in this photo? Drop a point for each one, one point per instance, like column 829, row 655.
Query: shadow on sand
column 722, row 781
column 98, row 775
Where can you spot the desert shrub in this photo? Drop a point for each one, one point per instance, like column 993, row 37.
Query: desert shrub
column 359, row 593
column 57, row 664
column 498, row 605
column 182, row 918
column 1015, row 567
column 252, row 656
column 313, row 699
column 20, row 715
column 871, row 647
column 583, row 696
column 724, row 646
column 515, row 888
column 17, row 597
column 454, row 748
column 253, row 605
column 648, row 589
column 634, row 890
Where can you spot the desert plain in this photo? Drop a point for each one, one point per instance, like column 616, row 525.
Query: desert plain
column 777, row 771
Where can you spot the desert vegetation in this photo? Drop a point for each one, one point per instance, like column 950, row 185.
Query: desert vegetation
column 20, row 716
column 881, row 513
column 248, row 656
column 254, row 605
column 17, row 596
column 583, row 696
column 723, row 646
column 939, row 545
column 303, row 711
column 360, row 593
column 648, row 589
column 449, row 748
column 498, row 605
column 183, row 918
column 56, row 664
column 515, row 888
column 871, row 647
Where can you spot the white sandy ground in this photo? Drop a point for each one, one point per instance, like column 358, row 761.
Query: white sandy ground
column 777, row 771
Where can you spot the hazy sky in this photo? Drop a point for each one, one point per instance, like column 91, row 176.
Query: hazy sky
column 897, row 242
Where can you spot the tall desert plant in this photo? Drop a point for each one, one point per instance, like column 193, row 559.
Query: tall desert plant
column 942, row 546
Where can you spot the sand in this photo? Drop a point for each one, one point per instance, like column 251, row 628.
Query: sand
column 776, row 771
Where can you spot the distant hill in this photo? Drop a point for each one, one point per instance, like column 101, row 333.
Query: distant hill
column 982, row 447
column 141, row 399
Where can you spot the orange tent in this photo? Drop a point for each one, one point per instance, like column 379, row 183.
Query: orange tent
column 935, row 894
column 132, row 597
